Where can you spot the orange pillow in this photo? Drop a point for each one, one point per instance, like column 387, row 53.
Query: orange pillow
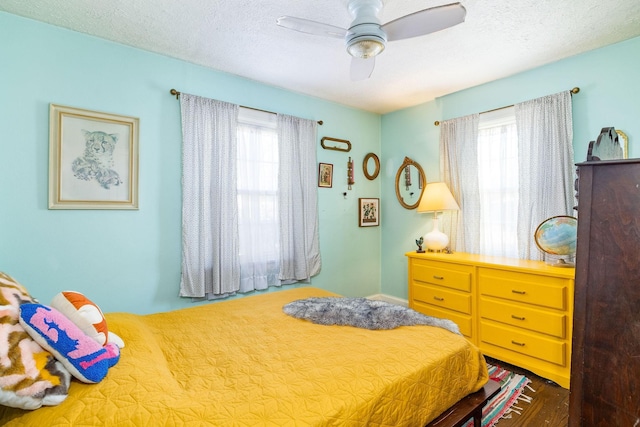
column 86, row 315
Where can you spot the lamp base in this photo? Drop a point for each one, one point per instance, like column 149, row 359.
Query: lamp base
column 436, row 240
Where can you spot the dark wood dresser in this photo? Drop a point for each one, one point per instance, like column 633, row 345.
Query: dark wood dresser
column 605, row 365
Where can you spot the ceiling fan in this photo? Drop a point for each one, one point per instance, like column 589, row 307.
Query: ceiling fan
column 366, row 37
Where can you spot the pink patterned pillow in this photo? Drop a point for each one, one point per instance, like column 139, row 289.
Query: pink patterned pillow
column 87, row 360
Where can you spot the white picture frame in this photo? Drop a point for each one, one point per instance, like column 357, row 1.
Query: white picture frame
column 93, row 159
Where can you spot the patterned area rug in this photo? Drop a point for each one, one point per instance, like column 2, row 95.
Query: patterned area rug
column 510, row 399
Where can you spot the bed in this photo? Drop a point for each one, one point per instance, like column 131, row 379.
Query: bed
column 244, row 362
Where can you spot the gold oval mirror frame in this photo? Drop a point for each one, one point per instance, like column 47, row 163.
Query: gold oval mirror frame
column 365, row 166
column 404, row 177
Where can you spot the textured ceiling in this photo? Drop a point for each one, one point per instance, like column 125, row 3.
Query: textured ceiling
column 499, row 38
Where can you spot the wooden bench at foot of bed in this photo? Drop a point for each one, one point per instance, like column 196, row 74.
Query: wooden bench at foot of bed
column 470, row 406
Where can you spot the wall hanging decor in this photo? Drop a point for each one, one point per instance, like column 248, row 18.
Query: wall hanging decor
column 350, row 176
column 335, row 144
column 93, row 159
column 368, row 212
column 371, row 163
column 325, row 175
column 407, row 191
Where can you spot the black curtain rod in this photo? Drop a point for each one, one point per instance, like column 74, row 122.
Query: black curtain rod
column 573, row 92
column 177, row 95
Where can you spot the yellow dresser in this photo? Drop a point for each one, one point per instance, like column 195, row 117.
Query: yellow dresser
column 517, row 311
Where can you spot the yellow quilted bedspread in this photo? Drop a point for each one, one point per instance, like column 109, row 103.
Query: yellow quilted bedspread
column 245, row 363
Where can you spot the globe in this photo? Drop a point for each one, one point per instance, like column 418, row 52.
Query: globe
column 557, row 235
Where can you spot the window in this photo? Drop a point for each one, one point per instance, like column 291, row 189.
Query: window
column 498, row 182
column 509, row 169
column 249, row 205
column 257, row 174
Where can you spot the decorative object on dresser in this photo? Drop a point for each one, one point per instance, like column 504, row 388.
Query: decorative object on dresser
column 419, row 242
column 605, row 380
column 606, row 147
column 624, row 143
column 610, row 140
column 557, row 238
column 437, row 198
column 517, row 311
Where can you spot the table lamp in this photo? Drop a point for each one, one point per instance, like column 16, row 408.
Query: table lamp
column 437, row 198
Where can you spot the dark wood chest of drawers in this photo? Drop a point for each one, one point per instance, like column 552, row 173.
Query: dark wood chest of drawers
column 605, row 374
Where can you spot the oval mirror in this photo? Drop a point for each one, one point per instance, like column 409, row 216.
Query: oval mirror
column 371, row 166
column 410, row 183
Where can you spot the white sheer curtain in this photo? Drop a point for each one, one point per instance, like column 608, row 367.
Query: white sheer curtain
column 498, row 183
column 459, row 166
column 545, row 143
column 209, row 202
column 258, row 200
column 300, row 249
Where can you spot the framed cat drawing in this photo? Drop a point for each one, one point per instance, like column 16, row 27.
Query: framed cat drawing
column 93, row 159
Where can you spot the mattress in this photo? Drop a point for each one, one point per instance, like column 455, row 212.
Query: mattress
column 244, row 362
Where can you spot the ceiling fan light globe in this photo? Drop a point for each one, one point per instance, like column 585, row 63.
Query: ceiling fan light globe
column 365, row 47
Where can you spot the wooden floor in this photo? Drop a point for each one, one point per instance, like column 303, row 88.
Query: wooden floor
column 549, row 407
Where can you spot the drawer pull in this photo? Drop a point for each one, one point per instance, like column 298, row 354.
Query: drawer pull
column 439, row 277
column 438, row 298
column 517, row 317
column 521, row 344
column 515, row 291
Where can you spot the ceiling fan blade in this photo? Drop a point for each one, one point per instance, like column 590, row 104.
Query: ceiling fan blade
column 361, row 69
column 311, row 27
column 425, row 21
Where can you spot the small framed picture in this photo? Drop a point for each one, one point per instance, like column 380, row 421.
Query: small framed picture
column 325, row 175
column 368, row 212
column 93, row 159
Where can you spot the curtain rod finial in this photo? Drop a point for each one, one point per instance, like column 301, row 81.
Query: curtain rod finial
column 175, row 92
column 436, row 123
column 575, row 90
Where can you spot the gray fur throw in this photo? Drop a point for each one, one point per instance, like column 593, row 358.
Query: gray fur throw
column 361, row 313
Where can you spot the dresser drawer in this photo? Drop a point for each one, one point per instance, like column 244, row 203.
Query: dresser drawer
column 522, row 316
column 547, row 349
column 544, row 291
column 463, row 321
column 453, row 276
column 442, row 297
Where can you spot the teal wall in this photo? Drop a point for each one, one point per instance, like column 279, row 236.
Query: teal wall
column 130, row 260
column 609, row 84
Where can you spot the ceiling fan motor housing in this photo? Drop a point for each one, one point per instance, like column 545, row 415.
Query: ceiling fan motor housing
column 365, row 38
